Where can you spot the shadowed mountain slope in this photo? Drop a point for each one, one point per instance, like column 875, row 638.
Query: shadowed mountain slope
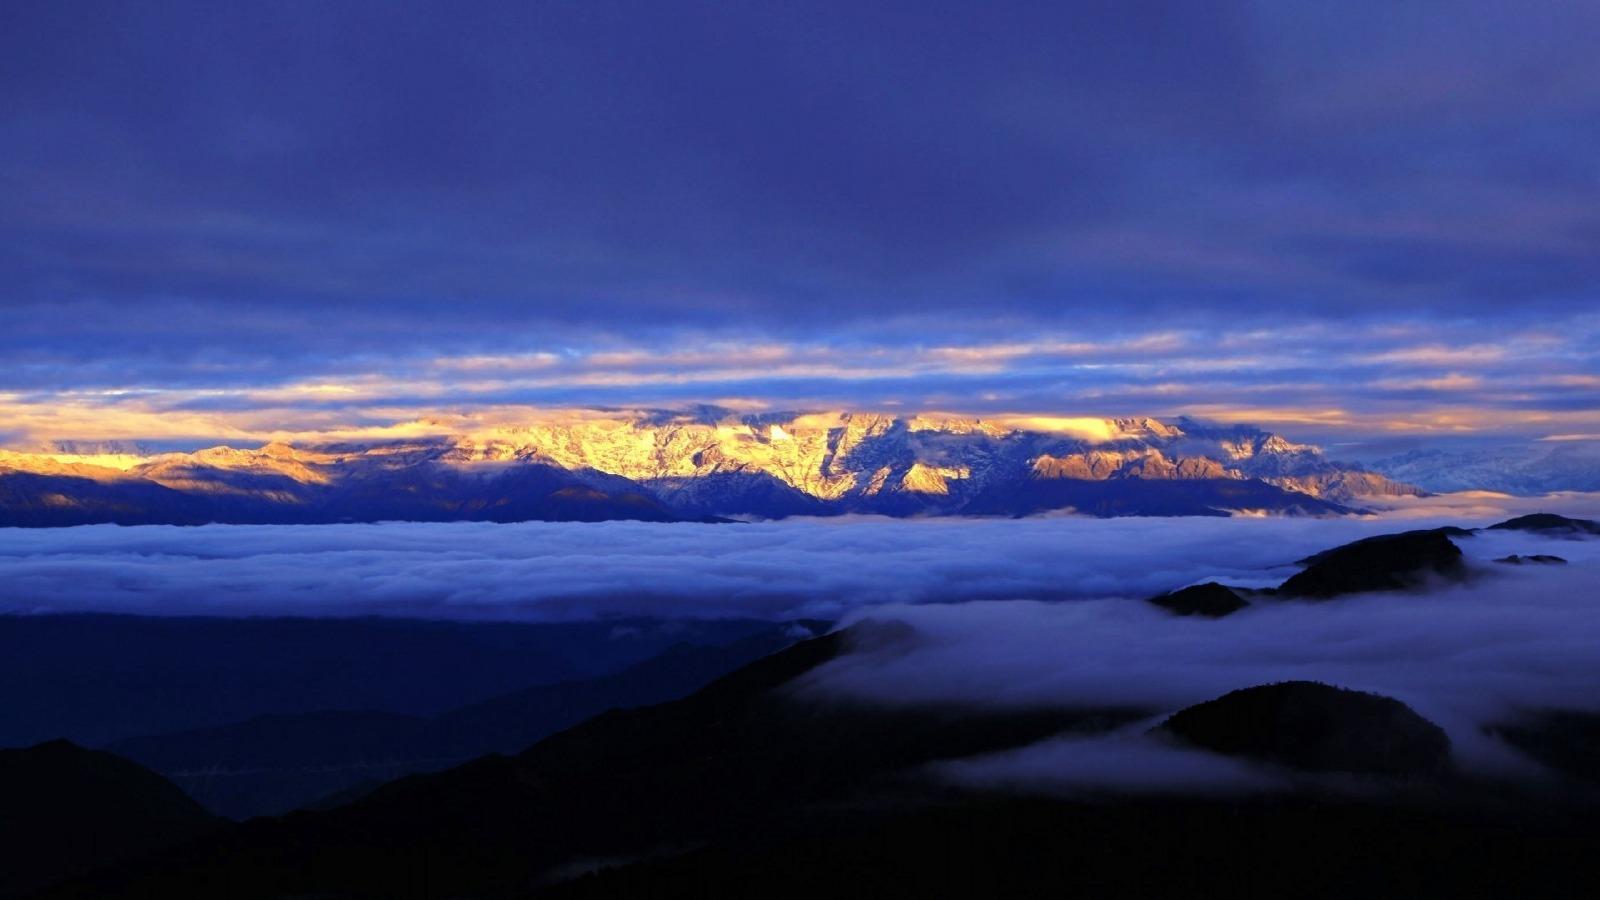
column 1315, row 727
column 1567, row 741
column 1010, row 846
column 1134, row 497
column 270, row 765
column 751, row 788
column 716, row 764
column 65, row 810
column 1385, row 563
column 1548, row 523
column 1211, row 600
column 100, row 678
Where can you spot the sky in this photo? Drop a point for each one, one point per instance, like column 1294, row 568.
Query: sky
column 1351, row 221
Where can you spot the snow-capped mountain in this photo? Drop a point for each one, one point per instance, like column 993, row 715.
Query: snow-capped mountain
column 708, row 463
column 1531, row 468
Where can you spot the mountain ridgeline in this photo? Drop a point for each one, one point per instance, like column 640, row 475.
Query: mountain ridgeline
column 698, row 466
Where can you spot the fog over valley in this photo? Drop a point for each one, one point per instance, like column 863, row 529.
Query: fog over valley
column 537, row 571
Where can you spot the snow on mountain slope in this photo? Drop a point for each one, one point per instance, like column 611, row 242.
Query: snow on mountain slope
column 709, row 462
column 1528, row 469
column 849, row 457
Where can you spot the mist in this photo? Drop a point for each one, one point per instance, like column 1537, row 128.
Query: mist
column 1042, row 612
column 539, row 571
column 1512, row 640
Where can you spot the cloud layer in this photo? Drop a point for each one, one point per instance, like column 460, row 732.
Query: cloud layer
column 779, row 569
column 1514, row 640
column 1318, row 380
column 1033, row 612
column 228, row 220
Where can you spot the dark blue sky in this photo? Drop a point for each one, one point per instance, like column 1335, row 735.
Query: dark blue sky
column 1386, row 215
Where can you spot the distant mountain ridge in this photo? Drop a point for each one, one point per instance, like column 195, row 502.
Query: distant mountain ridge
column 665, row 466
column 1529, row 468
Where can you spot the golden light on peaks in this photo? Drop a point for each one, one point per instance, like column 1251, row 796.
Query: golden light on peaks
column 1083, row 428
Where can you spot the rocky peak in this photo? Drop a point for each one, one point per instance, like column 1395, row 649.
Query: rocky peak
column 710, row 461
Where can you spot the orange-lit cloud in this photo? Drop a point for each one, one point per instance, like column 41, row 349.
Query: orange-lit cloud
column 1378, row 380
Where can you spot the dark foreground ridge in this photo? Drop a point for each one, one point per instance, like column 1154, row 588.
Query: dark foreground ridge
column 1387, row 563
column 1006, row 846
column 735, row 756
column 270, row 765
column 1549, row 523
column 96, row 679
column 1211, row 600
column 1315, row 727
column 1567, row 741
column 750, row 787
column 65, row 810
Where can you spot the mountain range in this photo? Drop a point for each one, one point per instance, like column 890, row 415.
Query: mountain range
column 705, row 463
column 1529, row 468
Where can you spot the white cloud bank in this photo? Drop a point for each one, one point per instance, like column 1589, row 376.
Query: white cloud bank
column 1514, row 639
column 545, row 571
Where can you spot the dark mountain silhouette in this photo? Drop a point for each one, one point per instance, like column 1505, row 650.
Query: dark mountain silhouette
column 1008, row 846
column 1211, row 600
column 750, row 788
column 1548, row 523
column 716, row 764
column 100, row 678
column 65, row 810
column 1538, row 559
column 30, row 500
column 1567, row 741
column 197, row 495
column 270, row 765
column 1381, row 563
column 525, row 492
column 1386, row 563
column 1141, row 497
column 1315, row 727
column 1449, row 531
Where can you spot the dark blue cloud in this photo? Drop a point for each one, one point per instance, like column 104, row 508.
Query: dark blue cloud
column 200, row 192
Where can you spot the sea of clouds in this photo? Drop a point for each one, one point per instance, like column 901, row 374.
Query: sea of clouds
column 1510, row 641
column 1031, row 612
column 563, row 571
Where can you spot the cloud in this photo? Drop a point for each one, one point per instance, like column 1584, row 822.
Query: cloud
column 535, row 570
column 1516, row 639
column 203, row 197
column 1126, row 762
column 1313, row 381
column 1033, row 612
